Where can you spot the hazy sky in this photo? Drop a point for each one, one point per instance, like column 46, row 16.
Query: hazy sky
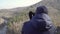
column 6, row 4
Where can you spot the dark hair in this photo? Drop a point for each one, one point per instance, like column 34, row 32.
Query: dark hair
column 41, row 9
column 31, row 14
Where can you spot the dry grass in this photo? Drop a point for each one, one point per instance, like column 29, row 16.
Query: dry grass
column 15, row 23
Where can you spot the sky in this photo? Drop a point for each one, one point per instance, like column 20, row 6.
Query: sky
column 7, row 4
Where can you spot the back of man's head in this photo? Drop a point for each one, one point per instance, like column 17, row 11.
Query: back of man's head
column 41, row 9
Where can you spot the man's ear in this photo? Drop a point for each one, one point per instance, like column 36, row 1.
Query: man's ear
column 31, row 14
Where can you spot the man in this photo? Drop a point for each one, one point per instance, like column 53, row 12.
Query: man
column 31, row 14
column 40, row 23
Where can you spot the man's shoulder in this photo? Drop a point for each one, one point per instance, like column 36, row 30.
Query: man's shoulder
column 26, row 22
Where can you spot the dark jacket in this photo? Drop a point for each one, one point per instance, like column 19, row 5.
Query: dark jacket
column 34, row 26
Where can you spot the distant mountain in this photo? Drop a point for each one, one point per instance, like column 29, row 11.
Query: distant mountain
column 14, row 9
column 10, row 12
